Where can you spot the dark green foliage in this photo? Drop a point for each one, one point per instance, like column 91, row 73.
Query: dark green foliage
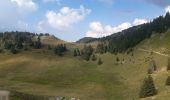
column 122, row 41
column 87, row 52
column 168, row 66
column 117, row 59
column 168, row 81
column 14, row 50
column 152, row 67
column 75, row 52
column 94, row 57
column 148, row 88
column 8, row 45
column 99, row 61
column 1, row 50
column 60, row 49
column 16, row 38
column 129, row 51
column 101, row 48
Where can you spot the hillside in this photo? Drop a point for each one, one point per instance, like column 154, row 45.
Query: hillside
column 129, row 38
column 40, row 72
column 41, row 64
column 86, row 40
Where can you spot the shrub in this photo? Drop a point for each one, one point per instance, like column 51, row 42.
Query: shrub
column 100, row 61
column 94, row 57
column 168, row 81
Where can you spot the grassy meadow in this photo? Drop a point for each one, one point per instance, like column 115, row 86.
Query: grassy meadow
column 43, row 73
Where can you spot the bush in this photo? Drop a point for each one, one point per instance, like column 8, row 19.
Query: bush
column 168, row 81
column 117, row 59
column 148, row 88
column 94, row 57
column 100, row 61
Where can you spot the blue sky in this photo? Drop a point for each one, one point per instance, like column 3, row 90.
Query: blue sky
column 71, row 20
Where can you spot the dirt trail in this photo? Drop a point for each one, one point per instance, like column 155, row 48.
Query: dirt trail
column 154, row 52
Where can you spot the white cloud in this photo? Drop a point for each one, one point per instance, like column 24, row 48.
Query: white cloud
column 13, row 17
column 138, row 21
column 167, row 9
column 99, row 30
column 25, row 4
column 65, row 17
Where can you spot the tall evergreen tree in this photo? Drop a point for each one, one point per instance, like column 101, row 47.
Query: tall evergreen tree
column 60, row 49
column 148, row 88
column 38, row 44
column 75, row 52
column 87, row 52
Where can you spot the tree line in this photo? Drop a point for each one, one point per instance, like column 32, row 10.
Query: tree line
column 127, row 39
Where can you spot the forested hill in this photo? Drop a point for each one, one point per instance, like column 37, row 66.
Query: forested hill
column 127, row 39
column 86, row 40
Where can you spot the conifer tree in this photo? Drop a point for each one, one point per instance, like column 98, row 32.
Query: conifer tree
column 148, row 88
column 117, row 59
column 94, row 57
column 75, row 52
column 100, row 61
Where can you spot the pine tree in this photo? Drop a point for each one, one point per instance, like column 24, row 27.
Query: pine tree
column 117, row 59
column 168, row 81
column 148, row 88
column 100, row 61
column 38, row 44
column 87, row 52
column 75, row 52
column 94, row 57
column 168, row 66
